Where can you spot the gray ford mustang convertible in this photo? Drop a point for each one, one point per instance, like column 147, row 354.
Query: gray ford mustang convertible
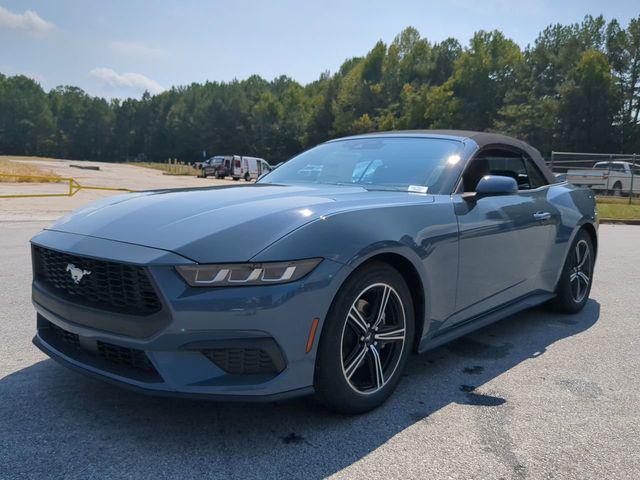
column 322, row 277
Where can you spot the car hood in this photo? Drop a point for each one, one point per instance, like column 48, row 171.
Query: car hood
column 217, row 224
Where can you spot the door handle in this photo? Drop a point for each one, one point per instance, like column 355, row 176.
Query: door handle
column 542, row 216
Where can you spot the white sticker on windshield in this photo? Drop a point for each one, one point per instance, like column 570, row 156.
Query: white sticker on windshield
column 417, row 189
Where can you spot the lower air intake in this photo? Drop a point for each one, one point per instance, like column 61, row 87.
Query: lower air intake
column 127, row 357
column 241, row 361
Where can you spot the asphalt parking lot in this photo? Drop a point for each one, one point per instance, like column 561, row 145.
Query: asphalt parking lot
column 537, row 395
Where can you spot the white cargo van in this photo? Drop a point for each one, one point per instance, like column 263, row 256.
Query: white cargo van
column 249, row 168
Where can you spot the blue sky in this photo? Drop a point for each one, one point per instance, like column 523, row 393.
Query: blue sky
column 120, row 48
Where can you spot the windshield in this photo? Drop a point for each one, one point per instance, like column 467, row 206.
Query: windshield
column 395, row 163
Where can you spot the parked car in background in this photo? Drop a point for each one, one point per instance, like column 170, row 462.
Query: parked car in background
column 218, row 166
column 202, row 165
column 608, row 177
column 321, row 278
column 199, row 165
column 249, row 168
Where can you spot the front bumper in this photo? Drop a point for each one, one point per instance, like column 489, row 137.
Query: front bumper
column 173, row 354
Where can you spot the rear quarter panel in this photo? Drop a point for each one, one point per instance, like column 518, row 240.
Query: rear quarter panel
column 576, row 207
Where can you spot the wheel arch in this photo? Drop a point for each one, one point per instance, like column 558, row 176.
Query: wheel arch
column 591, row 230
column 412, row 274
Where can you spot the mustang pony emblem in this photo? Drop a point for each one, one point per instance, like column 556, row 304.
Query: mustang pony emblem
column 77, row 273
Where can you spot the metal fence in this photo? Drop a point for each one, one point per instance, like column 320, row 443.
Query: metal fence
column 607, row 174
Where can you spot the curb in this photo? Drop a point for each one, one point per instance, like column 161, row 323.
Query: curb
column 620, row 221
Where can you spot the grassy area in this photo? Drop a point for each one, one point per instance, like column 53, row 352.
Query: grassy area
column 20, row 172
column 618, row 200
column 618, row 208
column 24, row 158
column 617, row 211
column 168, row 168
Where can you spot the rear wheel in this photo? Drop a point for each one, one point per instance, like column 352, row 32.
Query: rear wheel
column 366, row 340
column 577, row 276
column 617, row 189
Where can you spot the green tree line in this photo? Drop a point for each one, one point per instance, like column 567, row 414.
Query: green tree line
column 577, row 87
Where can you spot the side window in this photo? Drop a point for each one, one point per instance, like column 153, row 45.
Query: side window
column 510, row 166
column 495, row 161
column 506, row 163
column 536, row 179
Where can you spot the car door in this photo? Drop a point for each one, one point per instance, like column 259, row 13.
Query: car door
column 502, row 238
column 237, row 167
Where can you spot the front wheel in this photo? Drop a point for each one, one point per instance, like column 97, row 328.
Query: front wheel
column 577, row 276
column 366, row 340
column 247, row 177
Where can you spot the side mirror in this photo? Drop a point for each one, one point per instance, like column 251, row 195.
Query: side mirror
column 496, row 185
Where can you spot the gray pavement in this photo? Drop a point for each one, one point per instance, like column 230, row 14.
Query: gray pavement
column 537, row 396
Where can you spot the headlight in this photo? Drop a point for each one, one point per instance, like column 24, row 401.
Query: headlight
column 243, row 274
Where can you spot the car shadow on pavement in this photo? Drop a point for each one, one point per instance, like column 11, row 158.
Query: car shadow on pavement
column 54, row 421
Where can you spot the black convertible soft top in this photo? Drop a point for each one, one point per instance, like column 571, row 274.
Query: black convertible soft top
column 482, row 139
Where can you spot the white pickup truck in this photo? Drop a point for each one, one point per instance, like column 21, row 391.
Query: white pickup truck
column 615, row 177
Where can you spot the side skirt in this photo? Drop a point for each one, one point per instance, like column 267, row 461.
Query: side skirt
column 483, row 320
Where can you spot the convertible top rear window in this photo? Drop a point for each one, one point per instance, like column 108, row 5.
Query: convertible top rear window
column 394, row 163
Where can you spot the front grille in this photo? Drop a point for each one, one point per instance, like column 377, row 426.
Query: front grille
column 128, row 357
column 111, row 286
column 241, row 361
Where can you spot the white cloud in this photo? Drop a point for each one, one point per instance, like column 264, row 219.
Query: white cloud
column 132, row 81
column 135, row 49
column 29, row 21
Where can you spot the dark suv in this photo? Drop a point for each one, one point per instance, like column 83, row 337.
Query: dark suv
column 218, row 166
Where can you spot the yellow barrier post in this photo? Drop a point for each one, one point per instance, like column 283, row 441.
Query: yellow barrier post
column 74, row 186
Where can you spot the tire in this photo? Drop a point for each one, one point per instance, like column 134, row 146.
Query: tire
column 235, row 179
column 247, row 177
column 575, row 285
column 617, row 189
column 347, row 379
column 204, row 174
